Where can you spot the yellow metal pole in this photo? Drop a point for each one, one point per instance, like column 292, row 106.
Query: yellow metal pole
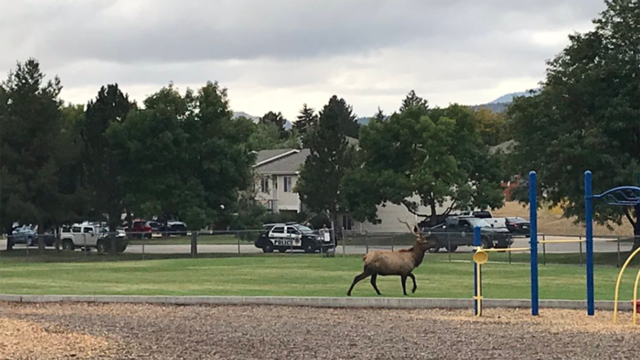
column 479, row 285
column 624, row 267
column 508, row 249
column 635, row 297
column 560, row 241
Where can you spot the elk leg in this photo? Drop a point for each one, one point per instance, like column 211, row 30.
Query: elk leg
column 374, row 277
column 358, row 278
column 415, row 287
column 404, row 284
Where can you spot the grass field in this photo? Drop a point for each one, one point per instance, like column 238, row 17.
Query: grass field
column 186, row 240
column 299, row 275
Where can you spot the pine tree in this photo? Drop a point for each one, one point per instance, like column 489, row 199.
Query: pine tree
column 414, row 100
column 101, row 161
column 276, row 119
column 31, row 125
column 379, row 116
column 306, row 120
column 330, row 157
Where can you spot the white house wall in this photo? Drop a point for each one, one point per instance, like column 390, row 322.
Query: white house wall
column 288, row 200
column 390, row 214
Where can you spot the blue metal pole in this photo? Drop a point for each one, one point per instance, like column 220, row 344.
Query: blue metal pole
column 477, row 241
column 588, row 218
column 533, row 240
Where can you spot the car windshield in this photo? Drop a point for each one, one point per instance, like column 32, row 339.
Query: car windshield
column 304, row 229
column 478, row 222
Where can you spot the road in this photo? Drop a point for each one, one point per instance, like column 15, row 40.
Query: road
column 600, row 245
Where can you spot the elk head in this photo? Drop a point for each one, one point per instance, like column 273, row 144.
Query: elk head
column 423, row 241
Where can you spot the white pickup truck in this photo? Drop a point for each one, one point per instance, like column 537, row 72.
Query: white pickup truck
column 89, row 235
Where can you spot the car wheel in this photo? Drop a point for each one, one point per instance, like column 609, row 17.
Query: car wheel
column 434, row 249
column 101, row 247
column 309, row 247
column 486, row 243
column 67, row 245
column 451, row 248
column 268, row 247
column 282, row 249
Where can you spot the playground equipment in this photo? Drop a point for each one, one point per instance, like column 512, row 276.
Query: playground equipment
column 619, row 196
column 623, row 196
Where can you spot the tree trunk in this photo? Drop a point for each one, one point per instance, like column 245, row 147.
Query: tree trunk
column 10, row 238
column 40, row 239
column 636, row 228
column 113, row 229
column 433, row 219
column 57, row 241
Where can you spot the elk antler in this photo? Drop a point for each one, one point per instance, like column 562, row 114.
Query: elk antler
column 412, row 229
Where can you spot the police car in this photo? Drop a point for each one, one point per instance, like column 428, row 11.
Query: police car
column 292, row 236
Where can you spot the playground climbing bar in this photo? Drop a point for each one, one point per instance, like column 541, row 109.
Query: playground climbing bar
column 533, row 240
column 588, row 213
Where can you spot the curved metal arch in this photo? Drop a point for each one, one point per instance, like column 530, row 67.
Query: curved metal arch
column 621, row 196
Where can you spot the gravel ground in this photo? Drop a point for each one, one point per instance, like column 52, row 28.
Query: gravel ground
column 84, row 331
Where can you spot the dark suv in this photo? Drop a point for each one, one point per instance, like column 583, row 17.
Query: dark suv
column 458, row 231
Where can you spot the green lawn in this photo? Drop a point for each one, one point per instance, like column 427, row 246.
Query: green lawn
column 297, row 275
column 186, row 240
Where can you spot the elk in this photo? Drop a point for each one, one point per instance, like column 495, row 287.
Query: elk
column 401, row 263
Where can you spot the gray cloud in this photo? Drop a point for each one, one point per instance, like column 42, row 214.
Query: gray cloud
column 375, row 48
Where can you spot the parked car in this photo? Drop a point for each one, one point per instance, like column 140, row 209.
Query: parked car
column 28, row 234
column 157, row 227
column 89, row 235
column 177, row 228
column 139, row 229
column 458, row 231
column 518, row 225
column 285, row 236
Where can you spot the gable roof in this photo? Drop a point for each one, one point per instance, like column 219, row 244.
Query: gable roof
column 266, row 156
column 285, row 162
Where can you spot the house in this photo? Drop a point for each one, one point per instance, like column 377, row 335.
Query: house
column 277, row 173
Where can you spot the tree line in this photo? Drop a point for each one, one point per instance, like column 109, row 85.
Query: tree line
column 187, row 156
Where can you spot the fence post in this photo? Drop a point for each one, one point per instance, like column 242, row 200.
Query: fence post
column 194, row 244
column 84, row 243
column 238, row 237
column 449, row 247
column 618, row 241
column 57, row 241
column 544, row 250
column 580, row 243
column 533, row 240
column 143, row 258
column 366, row 241
column 509, row 253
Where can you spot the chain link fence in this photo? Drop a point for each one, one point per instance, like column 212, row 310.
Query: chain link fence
column 84, row 244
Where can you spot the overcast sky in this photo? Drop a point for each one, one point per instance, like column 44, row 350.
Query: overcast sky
column 278, row 54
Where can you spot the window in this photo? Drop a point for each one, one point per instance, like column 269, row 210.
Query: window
column 287, row 183
column 347, row 222
column 292, row 230
column 264, row 185
column 87, row 230
column 278, row 230
column 76, row 229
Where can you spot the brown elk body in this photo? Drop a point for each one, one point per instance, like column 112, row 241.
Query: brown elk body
column 400, row 263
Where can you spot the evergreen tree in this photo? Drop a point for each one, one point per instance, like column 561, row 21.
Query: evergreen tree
column 102, row 160
column 277, row 119
column 31, row 124
column 330, row 157
column 306, row 119
column 414, row 100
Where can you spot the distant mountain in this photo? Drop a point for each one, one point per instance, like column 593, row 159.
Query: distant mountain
column 256, row 119
column 237, row 114
column 500, row 104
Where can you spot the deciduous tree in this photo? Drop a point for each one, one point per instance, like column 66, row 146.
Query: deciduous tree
column 587, row 116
